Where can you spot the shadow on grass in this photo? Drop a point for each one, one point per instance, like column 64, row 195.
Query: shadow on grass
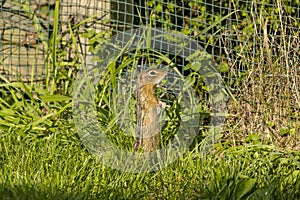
column 26, row 192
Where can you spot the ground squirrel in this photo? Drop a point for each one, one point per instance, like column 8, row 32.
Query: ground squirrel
column 147, row 110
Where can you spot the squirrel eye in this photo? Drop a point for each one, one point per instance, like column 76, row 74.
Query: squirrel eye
column 152, row 73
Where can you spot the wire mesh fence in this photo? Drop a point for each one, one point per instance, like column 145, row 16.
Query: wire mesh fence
column 255, row 48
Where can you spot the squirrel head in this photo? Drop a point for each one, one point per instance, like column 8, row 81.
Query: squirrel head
column 151, row 76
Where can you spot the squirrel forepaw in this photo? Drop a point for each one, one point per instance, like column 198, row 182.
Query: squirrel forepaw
column 163, row 105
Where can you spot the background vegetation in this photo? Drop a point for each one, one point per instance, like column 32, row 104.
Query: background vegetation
column 41, row 155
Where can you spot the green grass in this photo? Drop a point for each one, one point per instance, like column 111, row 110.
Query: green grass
column 59, row 167
column 42, row 157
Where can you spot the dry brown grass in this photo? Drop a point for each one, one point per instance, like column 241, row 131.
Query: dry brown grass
column 268, row 99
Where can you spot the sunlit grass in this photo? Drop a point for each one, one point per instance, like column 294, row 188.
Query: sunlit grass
column 59, row 167
column 42, row 157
